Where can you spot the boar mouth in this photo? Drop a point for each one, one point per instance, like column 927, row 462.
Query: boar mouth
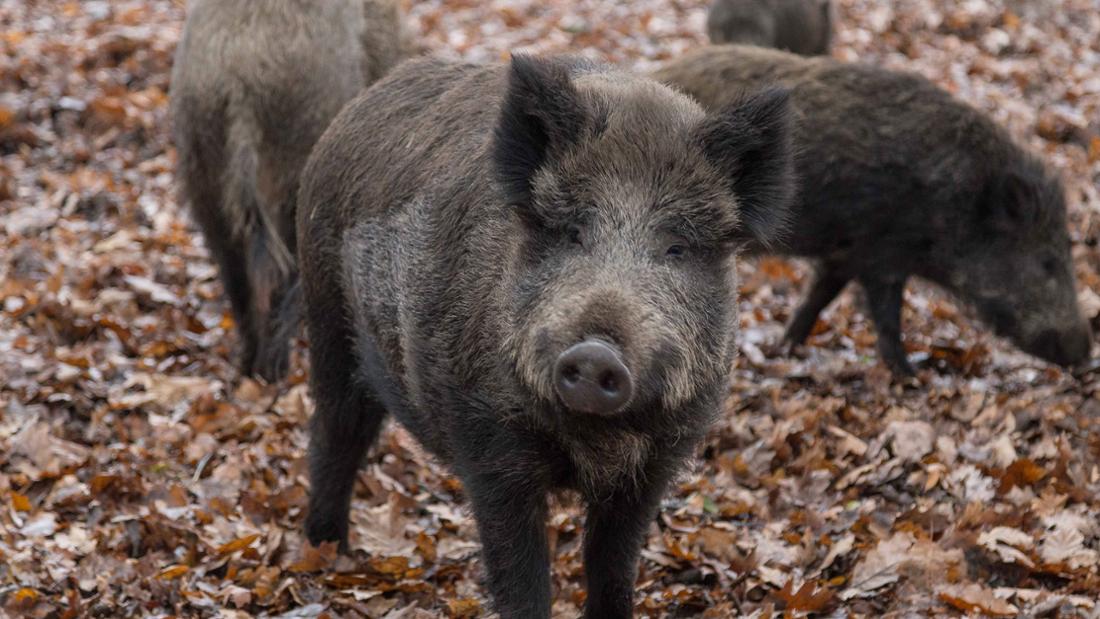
column 1061, row 346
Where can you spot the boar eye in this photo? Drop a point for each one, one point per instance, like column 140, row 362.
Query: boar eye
column 676, row 250
column 576, row 235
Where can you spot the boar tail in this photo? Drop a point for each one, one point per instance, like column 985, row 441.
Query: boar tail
column 272, row 276
column 252, row 217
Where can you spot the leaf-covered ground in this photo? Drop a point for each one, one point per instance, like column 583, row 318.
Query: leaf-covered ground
column 140, row 476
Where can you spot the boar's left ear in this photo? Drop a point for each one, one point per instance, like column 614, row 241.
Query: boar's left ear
column 541, row 114
column 750, row 141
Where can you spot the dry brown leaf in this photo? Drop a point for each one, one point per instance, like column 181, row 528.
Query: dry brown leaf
column 314, row 558
column 20, row 502
column 238, row 544
column 809, row 598
column 1023, row 472
column 172, row 572
column 466, row 607
column 973, row 597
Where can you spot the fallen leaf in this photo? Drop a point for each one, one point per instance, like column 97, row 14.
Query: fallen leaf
column 173, row 572
column 973, row 597
column 314, row 558
column 465, row 607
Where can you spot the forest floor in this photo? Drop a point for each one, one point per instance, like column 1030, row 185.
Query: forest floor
column 141, row 476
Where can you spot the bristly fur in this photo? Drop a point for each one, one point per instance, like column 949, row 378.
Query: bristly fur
column 800, row 26
column 752, row 136
column 254, row 84
column 897, row 178
column 540, row 110
column 462, row 226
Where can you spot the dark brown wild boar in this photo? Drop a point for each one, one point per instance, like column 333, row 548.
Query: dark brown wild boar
column 531, row 267
column 800, row 26
column 897, row 178
column 254, row 84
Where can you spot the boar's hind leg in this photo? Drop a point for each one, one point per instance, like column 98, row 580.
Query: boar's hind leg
column 884, row 301
column 343, row 427
column 615, row 531
column 273, row 351
column 510, row 510
column 230, row 255
column 273, row 288
column 345, row 421
column 826, row 285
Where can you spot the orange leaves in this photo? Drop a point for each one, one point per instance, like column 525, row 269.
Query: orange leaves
column 464, row 608
column 173, row 572
column 24, row 598
column 778, row 269
column 809, row 598
column 314, row 558
column 238, row 544
column 20, row 502
column 107, row 112
column 141, row 467
column 100, row 483
column 393, row 567
column 1021, row 473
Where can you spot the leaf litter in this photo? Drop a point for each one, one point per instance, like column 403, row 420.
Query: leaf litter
column 141, row 476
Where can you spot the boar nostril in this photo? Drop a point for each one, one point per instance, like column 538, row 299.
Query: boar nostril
column 571, row 374
column 590, row 377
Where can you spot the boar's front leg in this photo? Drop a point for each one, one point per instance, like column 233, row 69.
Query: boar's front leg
column 826, row 285
column 615, row 531
column 509, row 504
column 884, row 301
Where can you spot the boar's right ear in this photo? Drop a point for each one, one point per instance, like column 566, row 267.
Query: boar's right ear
column 750, row 141
column 1010, row 200
column 541, row 113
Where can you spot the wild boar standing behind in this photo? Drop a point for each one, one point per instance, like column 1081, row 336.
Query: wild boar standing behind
column 897, row 178
column 800, row 26
column 532, row 267
column 254, row 84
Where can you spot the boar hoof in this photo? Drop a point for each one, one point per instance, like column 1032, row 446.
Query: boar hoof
column 902, row 371
column 590, row 377
column 271, row 363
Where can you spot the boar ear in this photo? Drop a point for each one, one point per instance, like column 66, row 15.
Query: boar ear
column 541, row 113
column 750, row 141
column 1010, row 200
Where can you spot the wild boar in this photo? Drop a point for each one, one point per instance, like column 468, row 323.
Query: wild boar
column 254, row 84
column 896, row 179
column 800, row 26
column 531, row 266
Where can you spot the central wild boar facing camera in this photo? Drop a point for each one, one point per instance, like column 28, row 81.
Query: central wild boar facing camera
column 532, row 268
